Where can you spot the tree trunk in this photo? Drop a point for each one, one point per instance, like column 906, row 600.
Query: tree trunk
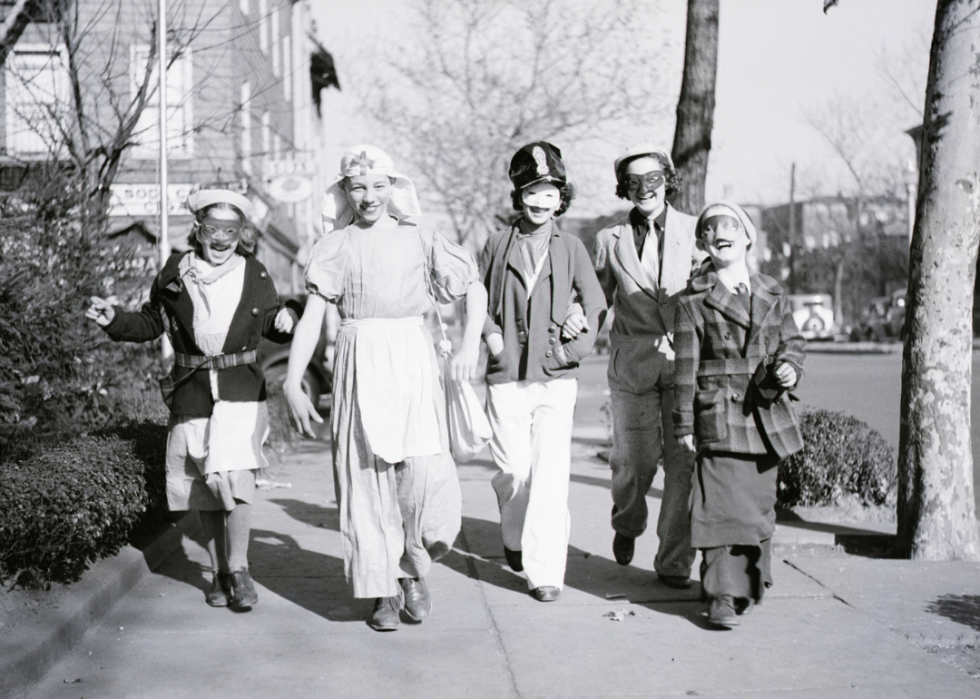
column 936, row 511
column 696, row 106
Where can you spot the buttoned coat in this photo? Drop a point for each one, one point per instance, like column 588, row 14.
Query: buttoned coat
column 170, row 304
column 531, row 327
column 719, row 346
column 643, row 307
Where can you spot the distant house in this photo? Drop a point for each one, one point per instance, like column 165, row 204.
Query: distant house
column 853, row 249
column 240, row 114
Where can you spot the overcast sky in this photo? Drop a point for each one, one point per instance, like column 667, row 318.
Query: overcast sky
column 776, row 57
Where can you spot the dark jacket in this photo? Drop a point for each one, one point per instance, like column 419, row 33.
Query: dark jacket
column 253, row 319
column 531, row 328
column 719, row 347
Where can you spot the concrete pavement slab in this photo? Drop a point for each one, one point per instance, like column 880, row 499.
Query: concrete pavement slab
column 817, row 646
column 930, row 603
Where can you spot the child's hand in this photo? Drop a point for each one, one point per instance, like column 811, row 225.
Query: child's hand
column 687, row 441
column 464, row 362
column 101, row 311
column 286, row 320
column 495, row 343
column 786, row 375
column 301, row 410
column 574, row 324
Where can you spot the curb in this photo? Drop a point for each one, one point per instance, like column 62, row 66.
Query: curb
column 31, row 650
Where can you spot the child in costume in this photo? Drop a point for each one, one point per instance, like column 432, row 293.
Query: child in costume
column 534, row 274
column 738, row 353
column 215, row 302
column 394, row 477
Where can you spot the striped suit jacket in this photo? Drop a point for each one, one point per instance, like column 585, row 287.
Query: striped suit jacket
column 719, row 346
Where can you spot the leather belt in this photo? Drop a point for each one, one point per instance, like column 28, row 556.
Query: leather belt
column 218, row 361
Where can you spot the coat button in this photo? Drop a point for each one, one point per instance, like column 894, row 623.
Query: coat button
column 255, row 311
column 552, row 329
column 262, row 275
column 736, row 398
column 551, row 340
column 548, row 353
column 728, row 336
column 244, row 347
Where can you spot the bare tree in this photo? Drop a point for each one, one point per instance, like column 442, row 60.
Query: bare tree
column 483, row 77
column 936, row 509
column 88, row 112
column 696, row 106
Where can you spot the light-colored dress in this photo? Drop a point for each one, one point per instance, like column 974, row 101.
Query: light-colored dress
column 396, row 482
column 211, row 461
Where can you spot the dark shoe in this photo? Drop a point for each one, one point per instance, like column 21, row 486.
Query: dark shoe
column 744, row 605
column 678, row 582
column 220, row 594
column 623, row 548
column 418, row 604
column 243, row 594
column 385, row 616
column 546, row 593
column 721, row 612
column 515, row 559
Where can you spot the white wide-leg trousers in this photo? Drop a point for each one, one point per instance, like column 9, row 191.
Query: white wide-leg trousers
column 531, row 446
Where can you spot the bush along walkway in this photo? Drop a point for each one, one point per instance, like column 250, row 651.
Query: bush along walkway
column 834, row 625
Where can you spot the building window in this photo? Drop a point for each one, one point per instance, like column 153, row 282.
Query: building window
column 37, row 85
column 246, row 128
column 264, row 25
column 180, row 123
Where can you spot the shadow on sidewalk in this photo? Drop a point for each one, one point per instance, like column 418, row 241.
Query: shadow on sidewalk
column 478, row 554
column 963, row 609
column 311, row 580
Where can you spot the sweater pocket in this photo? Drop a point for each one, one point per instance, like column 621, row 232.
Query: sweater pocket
column 710, row 420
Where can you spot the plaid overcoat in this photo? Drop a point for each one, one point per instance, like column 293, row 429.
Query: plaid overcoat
column 719, row 347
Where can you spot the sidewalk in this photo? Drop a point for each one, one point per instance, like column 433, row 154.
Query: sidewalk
column 832, row 626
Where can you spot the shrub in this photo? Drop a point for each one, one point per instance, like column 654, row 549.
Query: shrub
column 66, row 507
column 841, row 455
column 60, row 375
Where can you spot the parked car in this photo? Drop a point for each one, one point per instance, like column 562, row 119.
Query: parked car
column 874, row 321
column 814, row 315
column 318, row 377
column 882, row 319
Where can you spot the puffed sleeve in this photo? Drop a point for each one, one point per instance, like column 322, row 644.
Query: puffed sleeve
column 329, row 264
column 452, row 269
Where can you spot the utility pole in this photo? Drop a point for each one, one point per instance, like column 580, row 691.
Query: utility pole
column 166, row 349
column 792, row 228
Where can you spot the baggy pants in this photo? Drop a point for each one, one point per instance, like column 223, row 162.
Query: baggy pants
column 531, row 446
column 643, row 431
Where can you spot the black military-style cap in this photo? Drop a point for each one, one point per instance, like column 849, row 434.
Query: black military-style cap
column 537, row 162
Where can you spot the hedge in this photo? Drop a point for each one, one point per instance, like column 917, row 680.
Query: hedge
column 66, row 507
column 841, row 455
